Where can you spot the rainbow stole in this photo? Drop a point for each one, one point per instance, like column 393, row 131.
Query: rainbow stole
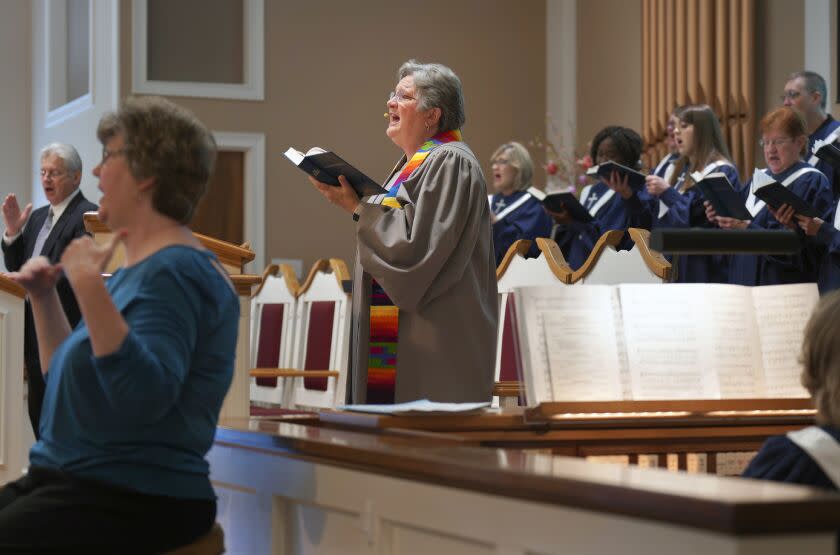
column 384, row 316
column 418, row 158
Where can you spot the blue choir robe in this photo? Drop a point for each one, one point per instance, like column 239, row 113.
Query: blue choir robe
column 782, row 460
column 751, row 269
column 526, row 221
column 827, row 247
column 683, row 208
column 828, row 131
column 665, row 166
column 609, row 211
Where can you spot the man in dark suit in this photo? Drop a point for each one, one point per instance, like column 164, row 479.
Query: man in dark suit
column 46, row 232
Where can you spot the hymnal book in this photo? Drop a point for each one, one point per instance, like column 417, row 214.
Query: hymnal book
column 775, row 194
column 726, row 201
column 327, row 166
column 827, row 152
column 635, row 179
column 557, row 202
column 662, row 341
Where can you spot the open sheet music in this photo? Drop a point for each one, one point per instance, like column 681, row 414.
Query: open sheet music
column 662, row 341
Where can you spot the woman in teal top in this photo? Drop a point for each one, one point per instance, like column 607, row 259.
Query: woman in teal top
column 134, row 391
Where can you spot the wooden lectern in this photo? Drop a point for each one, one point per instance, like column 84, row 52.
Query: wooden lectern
column 15, row 431
column 233, row 258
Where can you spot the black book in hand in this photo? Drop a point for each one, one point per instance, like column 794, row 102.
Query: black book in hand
column 557, row 202
column 327, row 166
column 717, row 189
column 775, row 194
column 635, row 179
column 827, row 152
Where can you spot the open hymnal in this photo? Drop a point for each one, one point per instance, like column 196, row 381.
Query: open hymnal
column 775, row 194
column 635, row 179
column 327, row 166
column 557, row 202
column 723, row 197
column 662, row 341
column 828, row 152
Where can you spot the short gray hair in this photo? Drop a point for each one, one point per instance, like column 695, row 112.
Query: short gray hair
column 437, row 86
column 814, row 82
column 68, row 153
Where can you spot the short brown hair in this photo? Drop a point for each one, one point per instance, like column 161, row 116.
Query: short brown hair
column 168, row 143
column 787, row 120
column 821, row 359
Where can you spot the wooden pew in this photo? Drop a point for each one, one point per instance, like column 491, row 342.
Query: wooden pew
column 16, row 435
column 705, row 436
column 608, row 266
column 317, row 489
column 233, row 258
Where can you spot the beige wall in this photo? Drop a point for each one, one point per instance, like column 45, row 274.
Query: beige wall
column 609, row 70
column 326, row 83
column 15, row 100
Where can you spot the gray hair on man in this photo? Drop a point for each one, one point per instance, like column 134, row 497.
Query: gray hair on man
column 437, row 86
column 68, row 153
column 814, row 82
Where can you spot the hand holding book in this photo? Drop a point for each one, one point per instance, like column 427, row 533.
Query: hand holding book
column 326, row 167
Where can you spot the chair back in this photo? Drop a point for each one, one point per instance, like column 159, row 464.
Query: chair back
column 322, row 336
column 273, row 311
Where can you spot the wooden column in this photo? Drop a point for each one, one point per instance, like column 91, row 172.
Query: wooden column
column 16, row 435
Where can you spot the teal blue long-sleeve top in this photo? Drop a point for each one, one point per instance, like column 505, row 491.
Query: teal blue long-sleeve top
column 145, row 416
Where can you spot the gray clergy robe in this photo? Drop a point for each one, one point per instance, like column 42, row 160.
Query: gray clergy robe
column 434, row 258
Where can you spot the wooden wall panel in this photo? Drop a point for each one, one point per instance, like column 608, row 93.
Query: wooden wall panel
column 699, row 52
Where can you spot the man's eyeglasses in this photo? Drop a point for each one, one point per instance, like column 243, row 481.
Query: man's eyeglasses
column 52, row 174
column 790, row 95
column 774, row 142
column 106, row 154
column 399, row 96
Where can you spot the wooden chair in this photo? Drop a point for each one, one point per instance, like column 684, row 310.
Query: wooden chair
column 272, row 331
column 551, row 269
column 608, row 266
column 317, row 375
column 212, row 543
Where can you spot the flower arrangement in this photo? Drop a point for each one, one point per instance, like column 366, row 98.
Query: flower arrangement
column 565, row 167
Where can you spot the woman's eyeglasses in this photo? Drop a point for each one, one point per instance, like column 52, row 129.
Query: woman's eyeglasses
column 399, row 96
column 774, row 142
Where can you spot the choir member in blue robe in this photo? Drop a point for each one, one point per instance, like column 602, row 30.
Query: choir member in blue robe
column 514, row 212
column 811, row 456
column 783, row 139
column 665, row 167
column 824, row 235
column 805, row 92
column 678, row 203
column 613, row 205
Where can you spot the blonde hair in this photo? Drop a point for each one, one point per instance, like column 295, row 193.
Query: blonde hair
column 518, row 157
column 820, row 359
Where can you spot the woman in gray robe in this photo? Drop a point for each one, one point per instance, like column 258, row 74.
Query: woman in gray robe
column 428, row 243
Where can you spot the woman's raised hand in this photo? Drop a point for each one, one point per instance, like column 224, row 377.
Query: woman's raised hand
column 37, row 276
column 85, row 258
